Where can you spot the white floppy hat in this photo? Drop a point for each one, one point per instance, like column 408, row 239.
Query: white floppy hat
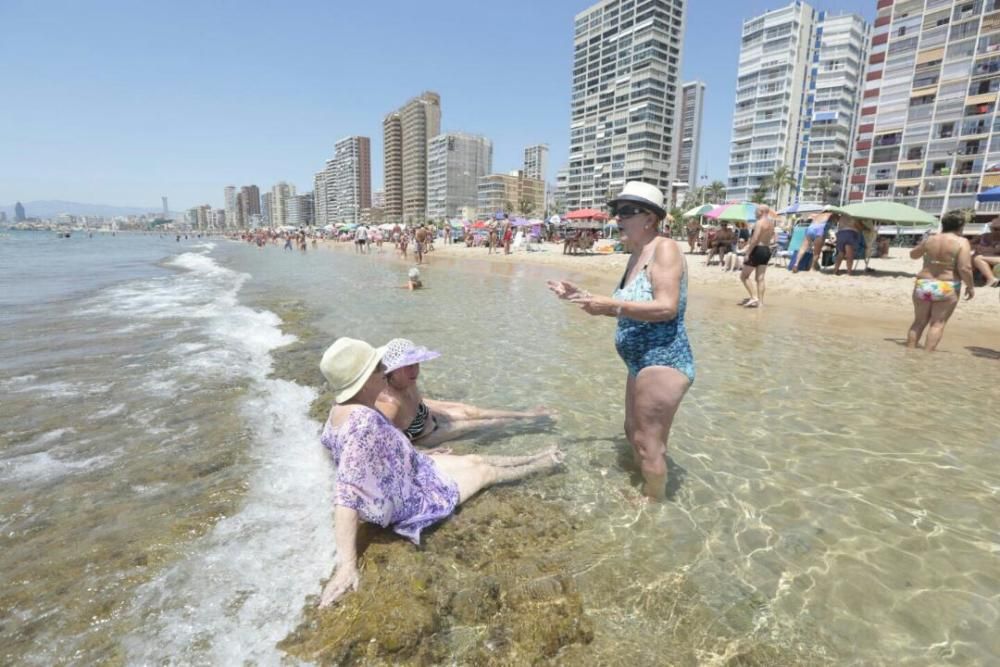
column 347, row 365
column 643, row 194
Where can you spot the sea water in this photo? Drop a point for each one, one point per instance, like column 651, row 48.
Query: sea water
column 164, row 495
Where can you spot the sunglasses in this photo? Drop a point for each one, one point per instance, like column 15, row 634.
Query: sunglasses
column 626, row 211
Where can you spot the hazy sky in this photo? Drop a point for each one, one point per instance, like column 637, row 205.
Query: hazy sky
column 123, row 102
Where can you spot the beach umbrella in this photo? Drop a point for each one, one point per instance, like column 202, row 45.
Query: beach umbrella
column 736, row 213
column 993, row 194
column 698, row 210
column 555, row 220
column 586, row 214
column 716, row 211
column 887, row 211
column 800, row 207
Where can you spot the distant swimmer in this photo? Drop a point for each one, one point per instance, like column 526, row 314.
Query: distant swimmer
column 413, row 279
column 429, row 422
column 758, row 257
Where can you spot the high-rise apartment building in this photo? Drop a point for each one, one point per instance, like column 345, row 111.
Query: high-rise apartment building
column 626, row 69
column 392, row 166
column 19, row 213
column 407, row 132
column 689, row 129
column 266, row 206
column 348, row 179
column 280, row 193
column 229, row 198
column 455, row 163
column 166, row 209
column 319, row 199
column 536, row 161
column 799, row 74
column 299, row 210
column 513, row 194
column 927, row 133
column 378, row 199
column 248, row 203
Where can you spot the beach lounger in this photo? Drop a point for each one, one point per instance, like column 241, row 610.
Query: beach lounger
column 791, row 255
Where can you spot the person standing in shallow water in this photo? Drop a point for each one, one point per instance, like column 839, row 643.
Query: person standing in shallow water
column 649, row 305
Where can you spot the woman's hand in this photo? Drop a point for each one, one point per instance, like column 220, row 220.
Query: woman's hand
column 595, row 305
column 565, row 289
column 345, row 579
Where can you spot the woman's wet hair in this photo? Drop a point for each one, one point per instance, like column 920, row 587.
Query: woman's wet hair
column 952, row 221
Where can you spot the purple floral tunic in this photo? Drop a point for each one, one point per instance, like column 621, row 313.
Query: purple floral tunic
column 383, row 478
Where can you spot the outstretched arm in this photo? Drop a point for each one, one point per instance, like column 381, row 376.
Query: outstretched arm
column 918, row 252
column 346, row 577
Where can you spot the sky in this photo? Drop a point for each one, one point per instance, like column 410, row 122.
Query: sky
column 122, row 102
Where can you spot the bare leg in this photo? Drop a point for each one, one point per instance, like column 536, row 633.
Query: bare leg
column 473, row 476
column 921, row 316
column 849, row 258
column 985, row 267
column 511, row 461
column 453, row 429
column 465, row 412
column 760, row 271
column 630, row 417
column 940, row 312
column 658, row 393
column 745, row 279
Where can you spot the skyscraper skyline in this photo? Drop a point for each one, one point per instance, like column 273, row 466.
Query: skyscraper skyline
column 406, row 133
column 347, row 180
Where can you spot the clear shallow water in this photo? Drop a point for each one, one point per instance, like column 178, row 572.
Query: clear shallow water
column 822, row 503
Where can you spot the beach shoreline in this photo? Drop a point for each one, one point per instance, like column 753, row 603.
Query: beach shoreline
column 873, row 305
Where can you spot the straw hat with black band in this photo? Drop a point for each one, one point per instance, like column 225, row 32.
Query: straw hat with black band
column 641, row 194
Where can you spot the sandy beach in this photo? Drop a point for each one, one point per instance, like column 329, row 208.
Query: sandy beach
column 875, row 302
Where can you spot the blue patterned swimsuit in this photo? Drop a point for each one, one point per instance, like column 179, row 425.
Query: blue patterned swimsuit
column 642, row 344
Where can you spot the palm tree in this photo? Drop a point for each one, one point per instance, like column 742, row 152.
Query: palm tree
column 759, row 195
column 717, row 191
column 525, row 207
column 779, row 180
column 822, row 186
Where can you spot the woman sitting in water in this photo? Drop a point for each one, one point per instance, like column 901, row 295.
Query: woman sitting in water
column 381, row 478
column 947, row 257
column 651, row 339
column 425, row 421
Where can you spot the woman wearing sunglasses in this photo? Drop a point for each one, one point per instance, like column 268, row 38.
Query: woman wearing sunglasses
column 649, row 304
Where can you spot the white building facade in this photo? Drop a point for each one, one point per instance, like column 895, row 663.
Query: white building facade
column 626, row 89
column 689, row 129
column 800, row 72
column 455, row 163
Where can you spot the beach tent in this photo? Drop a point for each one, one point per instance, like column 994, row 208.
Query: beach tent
column 887, row 211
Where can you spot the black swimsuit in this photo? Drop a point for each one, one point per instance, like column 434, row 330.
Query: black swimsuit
column 419, row 422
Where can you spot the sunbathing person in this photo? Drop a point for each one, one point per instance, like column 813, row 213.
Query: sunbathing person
column 425, row 421
column 381, row 478
column 986, row 254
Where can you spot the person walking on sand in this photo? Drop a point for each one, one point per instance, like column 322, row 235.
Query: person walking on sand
column 848, row 243
column 508, row 236
column 651, row 339
column 757, row 258
column 947, row 264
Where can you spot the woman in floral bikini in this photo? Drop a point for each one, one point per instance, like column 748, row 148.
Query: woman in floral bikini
column 381, row 478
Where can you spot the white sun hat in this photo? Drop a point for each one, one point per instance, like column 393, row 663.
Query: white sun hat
column 643, row 194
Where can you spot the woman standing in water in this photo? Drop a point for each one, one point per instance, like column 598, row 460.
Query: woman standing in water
column 947, row 264
column 651, row 339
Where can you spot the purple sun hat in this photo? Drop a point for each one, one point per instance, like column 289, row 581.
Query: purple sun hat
column 401, row 352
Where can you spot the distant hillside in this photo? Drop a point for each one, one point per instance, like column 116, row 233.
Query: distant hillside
column 52, row 208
